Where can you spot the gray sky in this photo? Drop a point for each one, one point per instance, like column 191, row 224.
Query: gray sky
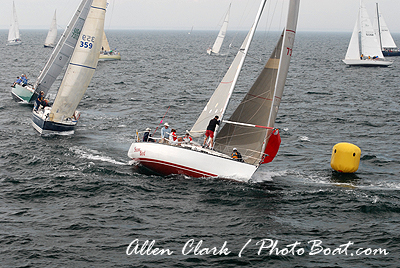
column 315, row 15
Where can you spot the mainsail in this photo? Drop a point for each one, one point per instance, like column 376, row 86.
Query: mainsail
column 382, row 31
column 369, row 42
column 13, row 33
column 52, row 34
column 258, row 110
column 221, row 35
column 82, row 65
column 63, row 51
column 220, row 98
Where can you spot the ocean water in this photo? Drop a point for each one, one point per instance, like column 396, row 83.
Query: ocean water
column 78, row 202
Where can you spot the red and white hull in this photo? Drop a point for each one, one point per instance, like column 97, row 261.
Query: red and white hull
column 192, row 161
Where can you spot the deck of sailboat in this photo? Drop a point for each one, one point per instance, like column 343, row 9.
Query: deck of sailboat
column 367, row 62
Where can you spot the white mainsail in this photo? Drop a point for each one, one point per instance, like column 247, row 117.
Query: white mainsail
column 52, row 34
column 13, row 33
column 369, row 42
column 260, row 105
column 220, row 98
column 64, row 49
column 221, row 35
column 353, row 51
column 82, row 65
column 382, row 31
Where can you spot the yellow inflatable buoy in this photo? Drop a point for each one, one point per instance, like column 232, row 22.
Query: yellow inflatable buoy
column 345, row 157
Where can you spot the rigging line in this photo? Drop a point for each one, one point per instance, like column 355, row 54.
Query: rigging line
column 161, row 121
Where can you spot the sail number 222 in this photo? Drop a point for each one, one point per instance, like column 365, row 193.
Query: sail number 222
column 87, row 41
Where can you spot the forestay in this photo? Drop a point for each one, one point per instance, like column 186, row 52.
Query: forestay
column 64, row 49
column 82, row 65
column 261, row 103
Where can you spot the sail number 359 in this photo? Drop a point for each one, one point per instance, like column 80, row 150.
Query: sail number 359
column 87, row 41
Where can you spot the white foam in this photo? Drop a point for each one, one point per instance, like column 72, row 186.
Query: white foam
column 94, row 155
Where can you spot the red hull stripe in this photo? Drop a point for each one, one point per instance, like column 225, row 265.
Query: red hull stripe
column 167, row 168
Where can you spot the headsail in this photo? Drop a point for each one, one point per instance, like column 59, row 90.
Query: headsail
column 353, row 51
column 220, row 98
column 52, row 34
column 260, row 105
column 82, row 65
column 221, row 35
column 63, row 51
column 105, row 46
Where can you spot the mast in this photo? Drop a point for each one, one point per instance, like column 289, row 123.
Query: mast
column 379, row 26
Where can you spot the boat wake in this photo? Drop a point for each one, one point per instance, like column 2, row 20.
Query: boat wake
column 262, row 176
column 94, row 155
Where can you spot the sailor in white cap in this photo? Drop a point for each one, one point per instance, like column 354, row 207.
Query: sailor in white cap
column 165, row 131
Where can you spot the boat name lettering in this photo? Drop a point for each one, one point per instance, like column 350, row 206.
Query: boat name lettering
column 137, row 150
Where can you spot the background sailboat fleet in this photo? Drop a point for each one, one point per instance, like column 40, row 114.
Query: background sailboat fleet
column 249, row 128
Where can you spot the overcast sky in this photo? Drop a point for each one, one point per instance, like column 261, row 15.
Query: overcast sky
column 315, row 15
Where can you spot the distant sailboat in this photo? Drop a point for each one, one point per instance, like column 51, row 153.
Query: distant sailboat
column 371, row 54
column 190, row 30
column 62, row 117
column 59, row 57
column 221, row 35
column 388, row 46
column 250, row 129
column 13, row 34
column 106, row 53
column 52, row 34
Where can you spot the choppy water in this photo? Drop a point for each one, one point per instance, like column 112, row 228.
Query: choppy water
column 76, row 202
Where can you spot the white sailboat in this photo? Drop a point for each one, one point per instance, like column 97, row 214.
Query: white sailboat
column 62, row 117
column 106, row 53
column 221, row 35
column 249, row 129
column 59, row 57
column 52, row 34
column 370, row 54
column 388, row 46
column 13, row 34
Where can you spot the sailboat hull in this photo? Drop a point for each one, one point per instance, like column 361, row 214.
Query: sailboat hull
column 367, row 63
column 104, row 57
column 391, row 53
column 22, row 94
column 193, row 161
column 44, row 126
column 14, row 42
